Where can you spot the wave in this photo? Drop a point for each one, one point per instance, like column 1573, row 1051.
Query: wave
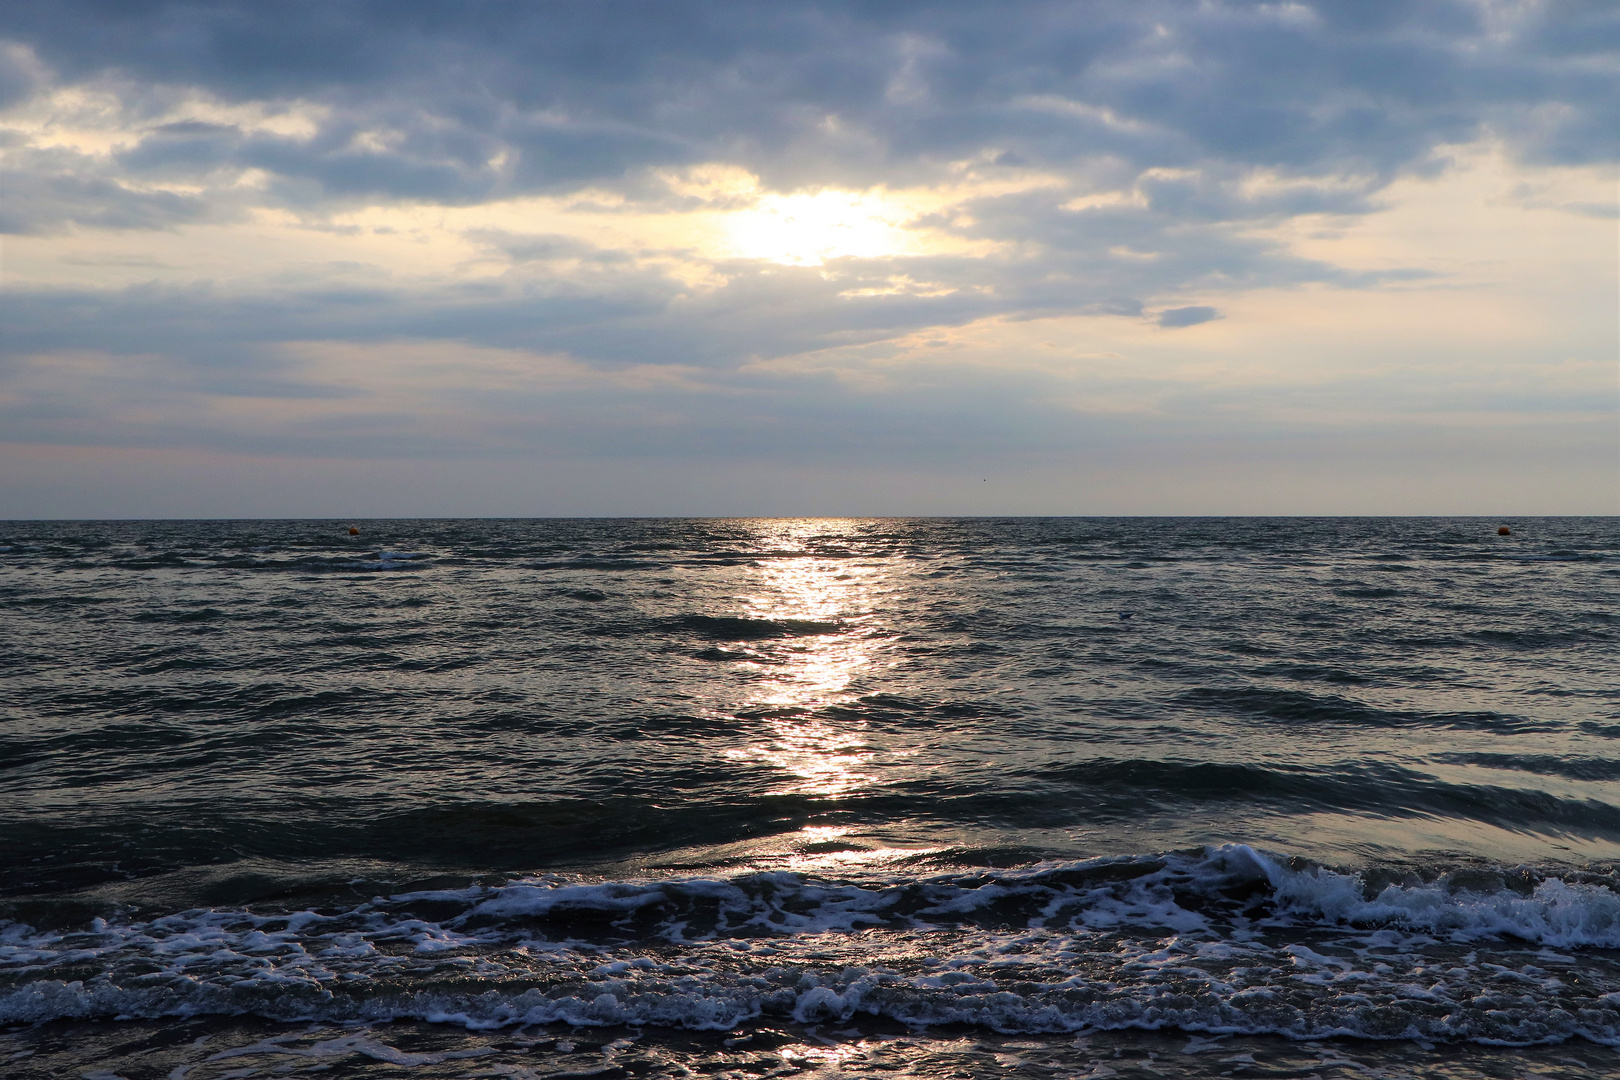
column 1224, row 940
column 1299, row 708
column 167, row 742
column 728, row 628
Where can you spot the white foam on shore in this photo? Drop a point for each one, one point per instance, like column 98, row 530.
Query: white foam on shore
column 1555, row 913
column 1226, row 940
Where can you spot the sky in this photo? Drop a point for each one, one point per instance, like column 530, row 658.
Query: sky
column 546, row 258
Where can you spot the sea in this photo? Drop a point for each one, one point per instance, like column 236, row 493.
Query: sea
column 954, row 798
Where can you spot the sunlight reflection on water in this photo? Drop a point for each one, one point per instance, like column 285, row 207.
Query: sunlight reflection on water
column 814, row 672
column 836, row 849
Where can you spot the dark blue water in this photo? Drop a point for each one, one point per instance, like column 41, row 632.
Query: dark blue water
column 903, row 796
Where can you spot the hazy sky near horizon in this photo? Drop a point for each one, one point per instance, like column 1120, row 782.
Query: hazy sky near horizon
column 665, row 258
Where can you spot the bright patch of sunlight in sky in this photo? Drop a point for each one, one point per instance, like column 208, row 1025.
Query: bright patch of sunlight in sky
column 809, row 229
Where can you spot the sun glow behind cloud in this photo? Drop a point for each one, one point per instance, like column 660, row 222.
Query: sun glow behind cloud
column 809, row 229
column 932, row 267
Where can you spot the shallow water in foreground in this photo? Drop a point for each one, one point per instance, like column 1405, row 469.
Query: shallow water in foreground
column 214, row 1048
column 912, row 797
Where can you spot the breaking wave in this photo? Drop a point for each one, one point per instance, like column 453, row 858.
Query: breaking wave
column 1223, row 940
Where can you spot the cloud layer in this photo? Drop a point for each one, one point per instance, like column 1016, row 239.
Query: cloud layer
column 682, row 227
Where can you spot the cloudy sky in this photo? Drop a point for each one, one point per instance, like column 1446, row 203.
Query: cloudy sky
column 555, row 258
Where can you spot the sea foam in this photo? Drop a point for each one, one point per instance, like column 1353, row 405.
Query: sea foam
column 1229, row 939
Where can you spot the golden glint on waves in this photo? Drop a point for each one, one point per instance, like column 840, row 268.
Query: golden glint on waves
column 829, row 603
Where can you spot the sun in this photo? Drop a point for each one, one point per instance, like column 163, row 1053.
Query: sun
column 809, row 229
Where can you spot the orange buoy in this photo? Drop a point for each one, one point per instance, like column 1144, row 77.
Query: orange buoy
column 1504, row 531
column 353, row 531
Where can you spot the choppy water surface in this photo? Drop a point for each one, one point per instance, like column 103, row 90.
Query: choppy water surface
column 451, row 798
